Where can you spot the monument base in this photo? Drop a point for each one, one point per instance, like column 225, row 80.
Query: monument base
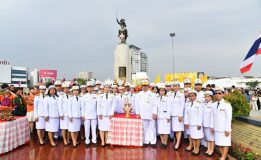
column 122, row 63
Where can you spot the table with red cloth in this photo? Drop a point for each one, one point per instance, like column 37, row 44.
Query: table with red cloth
column 126, row 131
column 13, row 133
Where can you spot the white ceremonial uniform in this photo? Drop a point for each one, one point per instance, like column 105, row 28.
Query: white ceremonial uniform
column 120, row 99
column 169, row 93
column 186, row 131
column 89, row 112
column 207, row 111
column 163, row 111
column 177, row 110
column 64, row 104
column 221, row 118
column 59, row 93
column 75, row 113
column 201, row 96
column 39, row 111
column 105, row 108
column 194, row 117
column 51, row 111
column 145, row 103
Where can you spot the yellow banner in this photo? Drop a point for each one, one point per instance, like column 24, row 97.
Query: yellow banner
column 157, row 79
column 181, row 76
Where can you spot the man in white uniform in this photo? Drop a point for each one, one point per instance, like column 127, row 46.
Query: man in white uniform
column 201, row 98
column 145, row 103
column 120, row 99
column 200, row 93
column 89, row 114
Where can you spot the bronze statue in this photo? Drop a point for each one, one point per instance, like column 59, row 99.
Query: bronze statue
column 123, row 33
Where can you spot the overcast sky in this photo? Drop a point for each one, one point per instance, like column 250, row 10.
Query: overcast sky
column 81, row 35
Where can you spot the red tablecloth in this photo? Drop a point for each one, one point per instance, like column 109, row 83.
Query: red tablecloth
column 126, row 131
column 13, row 134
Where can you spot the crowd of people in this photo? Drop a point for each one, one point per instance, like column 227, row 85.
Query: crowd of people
column 165, row 109
column 254, row 98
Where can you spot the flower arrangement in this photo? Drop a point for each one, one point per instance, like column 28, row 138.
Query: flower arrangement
column 6, row 113
column 127, row 107
column 243, row 153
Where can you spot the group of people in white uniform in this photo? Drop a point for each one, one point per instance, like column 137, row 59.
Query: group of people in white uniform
column 166, row 111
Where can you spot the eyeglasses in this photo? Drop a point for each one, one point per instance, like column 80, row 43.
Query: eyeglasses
column 218, row 92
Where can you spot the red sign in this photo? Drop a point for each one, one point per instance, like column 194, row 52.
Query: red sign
column 47, row 75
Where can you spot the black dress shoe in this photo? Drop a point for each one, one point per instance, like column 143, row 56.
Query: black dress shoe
column 176, row 148
column 53, row 145
column 154, row 145
column 145, row 145
column 41, row 144
column 87, row 145
column 103, row 145
column 165, row 146
column 95, row 144
column 195, row 154
column 66, row 145
column 188, row 150
column 162, row 145
column 210, row 155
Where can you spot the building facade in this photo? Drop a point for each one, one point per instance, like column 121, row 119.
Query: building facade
column 19, row 76
column 139, row 60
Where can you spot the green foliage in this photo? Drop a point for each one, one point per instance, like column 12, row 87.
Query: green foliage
column 253, row 84
column 80, row 81
column 242, row 153
column 239, row 104
column 48, row 84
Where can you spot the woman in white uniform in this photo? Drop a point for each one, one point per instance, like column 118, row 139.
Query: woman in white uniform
column 51, row 113
column 193, row 121
column 39, row 114
column 207, row 111
column 221, row 119
column 75, row 114
column 64, row 104
column 177, row 111
column 162, row 111
column 105, row 111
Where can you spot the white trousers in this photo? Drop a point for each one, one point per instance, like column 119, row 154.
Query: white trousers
column 254, row 105
column 149, row 131
column 90, row 124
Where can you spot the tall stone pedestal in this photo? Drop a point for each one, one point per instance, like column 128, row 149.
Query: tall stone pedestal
column 122, row 63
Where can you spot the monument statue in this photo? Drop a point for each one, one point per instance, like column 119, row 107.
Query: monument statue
column 122, row 56
column 123, row 33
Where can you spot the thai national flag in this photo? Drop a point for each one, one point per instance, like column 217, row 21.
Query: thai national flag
column 249, row 59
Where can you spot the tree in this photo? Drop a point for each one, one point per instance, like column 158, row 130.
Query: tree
column 253, row 84
column 80, row 81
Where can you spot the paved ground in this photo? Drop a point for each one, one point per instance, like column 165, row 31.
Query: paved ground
column 33, row 151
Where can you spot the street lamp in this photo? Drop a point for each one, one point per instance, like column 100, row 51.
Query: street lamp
column 172, row 38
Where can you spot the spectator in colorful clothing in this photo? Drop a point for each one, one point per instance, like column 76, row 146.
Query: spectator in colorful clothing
column 30, row 108
column 5, row 100
column 20, row 109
